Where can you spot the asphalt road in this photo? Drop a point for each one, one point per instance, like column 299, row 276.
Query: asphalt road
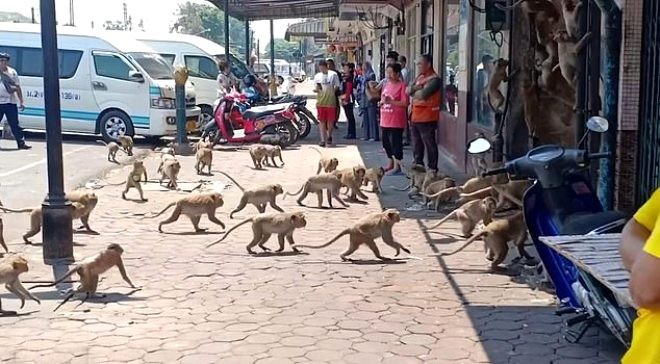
column 23, row 173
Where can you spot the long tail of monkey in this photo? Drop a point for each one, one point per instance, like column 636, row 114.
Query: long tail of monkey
column 7, row 209
column 230, row 230
column 162, row 211
column 402, row 189
column 443, row 220
column 470, row 241
column 478, row 192
column 295, row 194
column 317, row 150
column 65, row 276
column 233, row 180
column 344, row 232
column 436, row 194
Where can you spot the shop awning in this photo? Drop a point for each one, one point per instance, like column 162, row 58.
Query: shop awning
column 279, row 9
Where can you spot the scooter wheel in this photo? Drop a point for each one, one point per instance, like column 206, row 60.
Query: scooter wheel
column 304, row 124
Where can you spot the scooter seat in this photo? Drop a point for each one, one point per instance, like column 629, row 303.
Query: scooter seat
column 256, row 114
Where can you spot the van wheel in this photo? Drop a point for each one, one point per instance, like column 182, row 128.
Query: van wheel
column 114, row 124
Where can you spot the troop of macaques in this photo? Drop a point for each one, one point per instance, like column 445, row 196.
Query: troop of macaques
column 259, row 197
column 273, row 151
column 499, row 75
column 204, row 158
column 134, row 178
column 316, row 184
column 497, row 235
column 264, row 225
column 470, row 214
column 374, row 176
column 11, row 267
column 89, row 271
column 169, row 169
column 365, row 231
column 327, row 164
column 352, row 178
column 194, row 206
column 258, row 153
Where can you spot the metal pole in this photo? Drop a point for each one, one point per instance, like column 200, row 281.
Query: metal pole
column 57, row 228
column 180, row 104
column 247, row 42
column 273, row 81
column 227, row 59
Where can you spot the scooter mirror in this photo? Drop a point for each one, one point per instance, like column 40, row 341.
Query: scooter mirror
column 598, row 124
column 478, row 146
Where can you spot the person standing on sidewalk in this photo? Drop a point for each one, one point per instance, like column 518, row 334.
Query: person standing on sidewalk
column 333, row 68
column 326, row 86
column 394, row 117
column 11, row 99
column 369, row 106
column 426, row 93
column 347, row 86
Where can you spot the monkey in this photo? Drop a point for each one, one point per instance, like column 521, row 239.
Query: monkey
column 476, row 195
column 365, row 231
column 113, row 148
column 352, row 178
column 438, row 186
column 2, row 238
column 11, row 267
column 479, row 182
column 170, row 170
column 416, row 174
column 134, row 178
column 89, row 199
column 470, row 214
column 204, row 159
column 194, row 206
column 479, row 164
column 568, row 51
column 316, row 184
column 202, row 144
column 167, row 151
column 272, row 152
column 542, row 9
column 259, row 197
column 375, row 176
column 326, row 164
column 499, row 75
column 264, row 225
column 548, row 64
column 513, row 191
column 450, row 194
column 431, row 176
column 496, row 236
column 570, row 10
column 89, row 270
column 126, row 143
column 258, row 153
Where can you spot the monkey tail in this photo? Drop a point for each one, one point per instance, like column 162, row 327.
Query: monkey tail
column 102, row 142
column 435, row 194
column 162, row 211
column 470, row 241
column 402, row 189
column 317, row 150
column 233, row 180
column 7, row 209
column 295, row 194
column 344, row 232
column 442, row 221
column 477, row 192
column 67, row 275
column 230, row 230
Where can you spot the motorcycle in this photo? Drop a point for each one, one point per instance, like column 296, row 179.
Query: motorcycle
column 562, row 202
column 235, row 122
column 304, row 119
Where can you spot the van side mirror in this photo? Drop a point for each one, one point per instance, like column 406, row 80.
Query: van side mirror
column 135, row 76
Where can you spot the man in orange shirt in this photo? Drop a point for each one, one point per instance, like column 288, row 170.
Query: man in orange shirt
column 426, row 98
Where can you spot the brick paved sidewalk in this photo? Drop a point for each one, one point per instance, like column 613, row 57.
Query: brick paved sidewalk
column 220, row 305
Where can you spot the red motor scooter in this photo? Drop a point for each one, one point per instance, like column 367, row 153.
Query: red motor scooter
column 235, row 123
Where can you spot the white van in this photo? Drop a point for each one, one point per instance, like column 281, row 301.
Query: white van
column 200, row 56
column 109, row 85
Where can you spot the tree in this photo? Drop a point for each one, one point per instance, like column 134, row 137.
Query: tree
column 283, row 50
column 209, row 22
column 14, row 17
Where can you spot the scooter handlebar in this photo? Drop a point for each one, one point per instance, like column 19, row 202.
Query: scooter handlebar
column 600, row 155
column 492, row 172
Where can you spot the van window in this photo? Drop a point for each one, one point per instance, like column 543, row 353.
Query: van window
column 110, row 65
column 29, row 61
column 168, row 57
column 200, row 66
column 154, row 65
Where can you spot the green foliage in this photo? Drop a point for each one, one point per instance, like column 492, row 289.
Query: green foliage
column 209, row 22
column 283, row 50
column 14, row 17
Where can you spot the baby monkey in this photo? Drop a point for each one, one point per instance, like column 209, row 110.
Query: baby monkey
column 331, row 182
column 365, row 231
column 470, row 214
column 327, row 164
column 11, row 266
column 259, row 197
column 375, row 176
column 134, row 178
column 272, row 152
column 194, row 206
column 258, row 153
column 126, row 143
column 113, row 148
column 169, row 169
column 352, row 178
column 264, row 225
column 89, row 271
column 204, row 159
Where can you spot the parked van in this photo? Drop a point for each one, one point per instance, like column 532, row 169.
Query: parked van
column 109, row 85
column 200, row 56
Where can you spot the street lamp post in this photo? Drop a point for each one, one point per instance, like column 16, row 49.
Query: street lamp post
column 57, row 229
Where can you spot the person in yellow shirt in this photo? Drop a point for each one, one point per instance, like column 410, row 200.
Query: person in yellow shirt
column 640, row 252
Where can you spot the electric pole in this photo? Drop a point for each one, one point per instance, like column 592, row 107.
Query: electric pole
column 71, row 15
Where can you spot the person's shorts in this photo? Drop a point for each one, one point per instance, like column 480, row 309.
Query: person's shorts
column 326, row 113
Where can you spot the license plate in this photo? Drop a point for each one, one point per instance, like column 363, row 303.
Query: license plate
column 191, row 124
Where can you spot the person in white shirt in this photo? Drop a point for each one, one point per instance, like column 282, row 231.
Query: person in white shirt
column 327, row 85
column 11, row 99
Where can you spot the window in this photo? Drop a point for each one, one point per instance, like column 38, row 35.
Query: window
column 112, row 66
column 168, row 57
column 204, row 67
column 238, row 69
column 154, row 65
column 450, row 54
column 485, row 51
column 29, row 61
column 411, row 45
column 427, row 27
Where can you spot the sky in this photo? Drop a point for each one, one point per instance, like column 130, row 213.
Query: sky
column 158, row 15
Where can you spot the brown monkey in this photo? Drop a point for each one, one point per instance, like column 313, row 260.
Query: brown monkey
column 470, row 214
column 259, row 197
column 89, row 199
column 2, row 238
column 352, row 178
column 204, row 159
column 264, row 225
column 134, row 178
column 316, row 184
column 113, row 148
column 513, row 191
column 417, row 175
column 11, row 267
column 89, row 271
column 365, row 231
column 450, row 194
column 568, row 51
column 542, row 9
column 272, row 152
column 201, row 144
column 570, row 9
column 496, row 236
column 438, row 186
column 194, row 206
column 479, row 164
column 126, row 143
column 479, row 182
column 431, row 176
column 375, row 176
column 258, row 153
column 327, row 164
column 499, row 75
column 170, row 169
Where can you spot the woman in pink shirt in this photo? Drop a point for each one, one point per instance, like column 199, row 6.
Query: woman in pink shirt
column 393, row 117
